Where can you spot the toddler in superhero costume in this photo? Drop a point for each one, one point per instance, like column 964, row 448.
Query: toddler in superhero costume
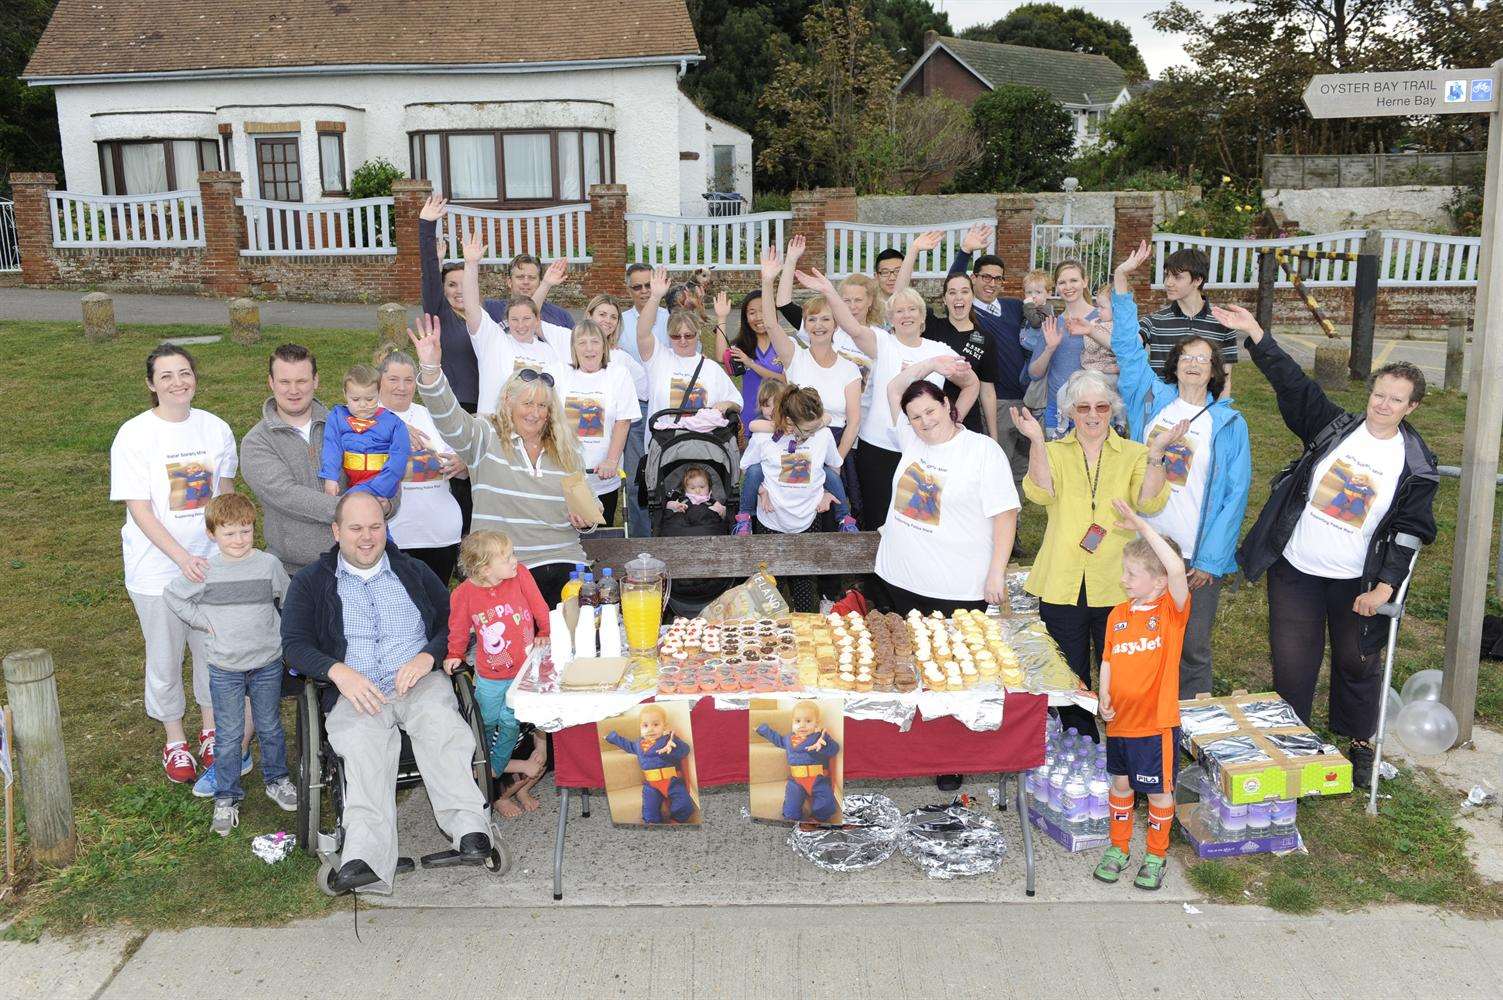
column 809, row 749
column 658, row 754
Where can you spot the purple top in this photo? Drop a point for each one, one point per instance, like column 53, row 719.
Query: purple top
column 751, row 383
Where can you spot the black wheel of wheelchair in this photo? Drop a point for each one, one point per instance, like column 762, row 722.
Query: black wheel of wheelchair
column 309, row 767
column 464, row 691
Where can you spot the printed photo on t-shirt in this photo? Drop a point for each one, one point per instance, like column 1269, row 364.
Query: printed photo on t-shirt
column 192, row 485
column 1345, row 493
column 1178, row 457
column 794, row 469
column 587, row 415
column 918, row 495
column 697, row 400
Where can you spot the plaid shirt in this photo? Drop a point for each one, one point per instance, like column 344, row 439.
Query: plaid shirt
column 382, row 627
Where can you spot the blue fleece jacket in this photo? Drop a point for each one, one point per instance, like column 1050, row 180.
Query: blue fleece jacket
column 1228, row 479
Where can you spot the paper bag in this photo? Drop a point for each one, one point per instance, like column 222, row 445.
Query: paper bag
column 582, row 500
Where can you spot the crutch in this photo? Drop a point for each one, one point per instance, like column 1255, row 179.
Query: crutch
column 1394, row 609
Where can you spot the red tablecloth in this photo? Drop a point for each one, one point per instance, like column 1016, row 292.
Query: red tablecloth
column 872, row 749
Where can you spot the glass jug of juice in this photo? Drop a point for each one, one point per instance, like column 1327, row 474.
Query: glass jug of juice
column 643, row 594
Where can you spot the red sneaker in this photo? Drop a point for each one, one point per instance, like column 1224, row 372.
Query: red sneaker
column 179, row 764
column 206, row 746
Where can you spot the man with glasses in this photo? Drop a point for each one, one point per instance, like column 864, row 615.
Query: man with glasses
column 1002, row 320
column 639, row 289
column 889, row 267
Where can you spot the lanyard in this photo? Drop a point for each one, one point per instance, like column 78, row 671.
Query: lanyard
column 1084, row 461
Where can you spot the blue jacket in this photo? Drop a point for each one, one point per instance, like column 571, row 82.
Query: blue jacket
column 387, row 436
column 1229, row 478
column 651, row 757
column 1006, row 332
column 800, row 754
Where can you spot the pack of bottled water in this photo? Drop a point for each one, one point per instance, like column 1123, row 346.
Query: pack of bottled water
column 1247, row 821
column 1071, row 788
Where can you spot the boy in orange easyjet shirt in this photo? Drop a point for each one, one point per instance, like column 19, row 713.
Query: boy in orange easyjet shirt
column 1140, row 694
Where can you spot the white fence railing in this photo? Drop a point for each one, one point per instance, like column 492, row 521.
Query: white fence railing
column 166, row 219
column 1427, row 259
column 323, row 229
column 1408, row 259
column 546, row 233
column 728, row 244
column 1053, row 244
column 852, row 247
column 10, row 244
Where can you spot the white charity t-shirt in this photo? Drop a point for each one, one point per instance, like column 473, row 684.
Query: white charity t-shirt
column 829, row 382
column 177, row 465
column 428, row 517
column 668, row 376
column 1350, row 491
column 629, row 333
column 937, row 540
column 1187, row 464
column 794, row 480
column 499, row 356
column 892, row 356
column 633, row 367
column 593, row 402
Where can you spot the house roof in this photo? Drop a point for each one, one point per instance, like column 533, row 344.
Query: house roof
column 111, row 38
column 1071, row 77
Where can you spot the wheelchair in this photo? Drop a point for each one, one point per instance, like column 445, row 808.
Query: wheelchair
column 320, row 777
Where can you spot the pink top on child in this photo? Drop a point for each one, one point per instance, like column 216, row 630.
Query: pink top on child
column 505, row 619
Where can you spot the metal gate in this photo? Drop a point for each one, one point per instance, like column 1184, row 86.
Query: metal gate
column 10, row 246
column 1091, row 245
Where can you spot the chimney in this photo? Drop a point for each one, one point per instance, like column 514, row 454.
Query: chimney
column 930, row 38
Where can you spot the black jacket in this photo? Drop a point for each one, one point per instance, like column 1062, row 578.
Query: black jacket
column 313, row 637
column 1322, row 425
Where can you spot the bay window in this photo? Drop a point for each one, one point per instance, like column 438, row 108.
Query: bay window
column 515, row 169
column 143, row 166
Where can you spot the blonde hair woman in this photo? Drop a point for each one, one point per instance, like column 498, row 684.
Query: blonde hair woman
column 517, row 457
column 600, row 403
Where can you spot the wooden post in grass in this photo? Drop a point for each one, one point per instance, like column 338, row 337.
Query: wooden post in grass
column 1455, row 355
column 98, row 316
column 9, row 725
column 1365, row 307
column 245, row 322
column 391, row 324
column 1268, row 274
column 31, row 689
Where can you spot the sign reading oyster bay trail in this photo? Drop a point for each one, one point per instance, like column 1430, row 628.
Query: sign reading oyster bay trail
column 1421, row 92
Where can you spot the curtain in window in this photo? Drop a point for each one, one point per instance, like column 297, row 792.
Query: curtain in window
column 529, row 167
column 568, row 167
column 472, row 167
column 145, row 166
column 330, row 161
column 208, row 156
column 433, row 164
column 592, row 142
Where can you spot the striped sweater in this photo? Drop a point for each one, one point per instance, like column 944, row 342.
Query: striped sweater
column 1167, row 327
column 509, row 495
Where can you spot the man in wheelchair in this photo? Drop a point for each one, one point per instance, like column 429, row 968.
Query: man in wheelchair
column 373, row 621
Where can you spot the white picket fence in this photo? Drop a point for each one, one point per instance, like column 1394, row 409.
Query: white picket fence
column 10, row 244
column 1408, row 259
column 725, row 243
column 164, row 220
column 546, row 233
column 322, row 229
column 852, row 247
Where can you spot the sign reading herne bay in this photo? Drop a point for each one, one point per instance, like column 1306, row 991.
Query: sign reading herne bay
column 1421, row 92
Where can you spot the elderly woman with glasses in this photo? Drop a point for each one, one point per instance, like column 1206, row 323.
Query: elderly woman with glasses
column 517, row 457
column 1209, row 469
column 670, row 372
column 1077, row 576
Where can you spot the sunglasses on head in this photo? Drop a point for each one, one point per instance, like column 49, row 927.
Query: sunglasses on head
column 1088, row 407
column 533, row 375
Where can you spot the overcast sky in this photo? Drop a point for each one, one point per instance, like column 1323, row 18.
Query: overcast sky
column 1159, row 51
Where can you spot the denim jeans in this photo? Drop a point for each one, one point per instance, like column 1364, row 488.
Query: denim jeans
column 638, row 522
column 501, row 727
column 229, row 689
column 751, row 484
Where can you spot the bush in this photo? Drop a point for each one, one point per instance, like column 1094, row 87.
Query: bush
column 771, row 201
column 1226, row 212
column 1465, row 206
column 1026, row 141
column 373, row 179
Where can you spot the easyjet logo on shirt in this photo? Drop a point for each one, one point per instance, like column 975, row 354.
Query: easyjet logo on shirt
column 1143, row 645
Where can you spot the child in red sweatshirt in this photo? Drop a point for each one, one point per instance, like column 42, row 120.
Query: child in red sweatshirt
column 500, row 602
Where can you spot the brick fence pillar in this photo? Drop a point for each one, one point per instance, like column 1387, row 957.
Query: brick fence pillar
column 406, row 267
column 34, row 226
column 1015, row 239
column 607, row 241
column 1132, row 216
column 224, row 232
column 808, row 209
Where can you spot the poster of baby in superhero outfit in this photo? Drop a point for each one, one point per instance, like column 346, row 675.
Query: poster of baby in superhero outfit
column 796, row 759
column 192, row 485
column 918, row 494
column 1178, row 457
column 587, row 416
column 697, row 400
column 647, row 757
column 1345, row 493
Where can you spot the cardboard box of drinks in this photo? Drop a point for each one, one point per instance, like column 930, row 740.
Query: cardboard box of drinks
column 1210, row 844
column 1255, row 748
column 1070, row 841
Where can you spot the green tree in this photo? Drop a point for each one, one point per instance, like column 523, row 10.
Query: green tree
column 1026, row 140
column 1050, row 26
column 901, row 25
column 28, row 116
column 827, row 97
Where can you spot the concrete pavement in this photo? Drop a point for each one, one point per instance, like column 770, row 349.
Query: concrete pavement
column 1130, row 948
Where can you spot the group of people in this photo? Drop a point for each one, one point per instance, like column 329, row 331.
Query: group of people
column 858, row 407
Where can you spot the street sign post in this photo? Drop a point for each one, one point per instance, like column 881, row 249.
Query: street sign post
column 1445, row 92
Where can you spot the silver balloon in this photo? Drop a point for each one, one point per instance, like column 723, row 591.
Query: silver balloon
column 1395, row 706
column 1423, row 686
column 1426, row 727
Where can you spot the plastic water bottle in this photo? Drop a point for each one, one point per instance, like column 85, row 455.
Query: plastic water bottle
column 1281, row 820
column 1077, row 807
column 1101, row 809
column 1210, row 811
column 589, row 593
column 609, row 588
column 1259, row 819
column 1056, row 793
column 1233, row 820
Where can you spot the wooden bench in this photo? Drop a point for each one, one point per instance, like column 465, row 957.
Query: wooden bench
column 739, row 556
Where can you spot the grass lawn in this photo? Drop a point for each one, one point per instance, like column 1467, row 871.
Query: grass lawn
column 146, row 855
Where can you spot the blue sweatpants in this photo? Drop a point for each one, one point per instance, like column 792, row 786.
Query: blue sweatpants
column 501, row 727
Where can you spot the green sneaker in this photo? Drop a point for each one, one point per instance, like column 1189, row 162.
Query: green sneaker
column 1151, row 875
column 1113, row 862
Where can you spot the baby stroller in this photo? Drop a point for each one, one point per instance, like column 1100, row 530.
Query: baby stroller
column 671, row 451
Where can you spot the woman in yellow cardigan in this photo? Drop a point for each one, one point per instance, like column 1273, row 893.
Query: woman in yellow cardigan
column 1077, row 575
